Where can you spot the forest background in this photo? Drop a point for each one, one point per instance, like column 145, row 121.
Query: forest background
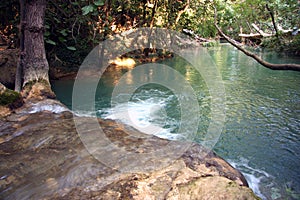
column 74, row 27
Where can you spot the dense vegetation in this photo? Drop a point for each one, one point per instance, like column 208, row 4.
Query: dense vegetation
column 74, row 27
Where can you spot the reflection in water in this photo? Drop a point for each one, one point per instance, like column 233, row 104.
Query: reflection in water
column 129, row 63
column 261, row 136
column 113, row 73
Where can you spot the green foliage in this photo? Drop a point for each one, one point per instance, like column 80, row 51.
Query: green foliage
column 287, row 44
column 71, row 48
column 67, row 30
column 73, row 28
column 9, row 18
column 92, row 7
column 8, row 97
column 270, row 43
column 295, row 44
column 87, row 9
column 211, row 44
column 50, row 41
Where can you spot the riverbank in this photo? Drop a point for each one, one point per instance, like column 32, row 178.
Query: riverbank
column 61, row 70
column 42, row 156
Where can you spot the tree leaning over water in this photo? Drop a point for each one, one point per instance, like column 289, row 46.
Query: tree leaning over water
column 272, row 66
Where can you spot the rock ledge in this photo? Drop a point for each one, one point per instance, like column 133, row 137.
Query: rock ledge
column 42, row 157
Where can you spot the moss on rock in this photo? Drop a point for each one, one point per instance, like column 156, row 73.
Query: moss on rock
column 10, row 98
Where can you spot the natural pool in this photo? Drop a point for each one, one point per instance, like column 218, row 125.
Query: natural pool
column 261, row 134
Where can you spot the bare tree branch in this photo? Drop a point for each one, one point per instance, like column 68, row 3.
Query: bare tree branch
column 293, row 67
column 273, row 19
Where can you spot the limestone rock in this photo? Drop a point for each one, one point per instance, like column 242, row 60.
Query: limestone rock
column 42, row 157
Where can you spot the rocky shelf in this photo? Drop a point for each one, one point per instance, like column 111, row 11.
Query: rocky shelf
column 43, row 157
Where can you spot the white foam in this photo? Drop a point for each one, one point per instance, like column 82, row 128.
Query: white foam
column 148, row 116
column 253, row 176
column 51, row 108
column 47, row 105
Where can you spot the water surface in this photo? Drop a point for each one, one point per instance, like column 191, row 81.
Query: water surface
column 261, row 135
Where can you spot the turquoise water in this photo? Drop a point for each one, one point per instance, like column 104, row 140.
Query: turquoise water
column 261, row 133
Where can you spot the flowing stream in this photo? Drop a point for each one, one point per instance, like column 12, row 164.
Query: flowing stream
column 261, row 134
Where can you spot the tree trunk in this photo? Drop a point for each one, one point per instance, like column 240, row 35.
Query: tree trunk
column 34, row 62
column 33, row 66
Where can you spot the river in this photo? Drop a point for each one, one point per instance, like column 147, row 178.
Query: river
column 261, row 133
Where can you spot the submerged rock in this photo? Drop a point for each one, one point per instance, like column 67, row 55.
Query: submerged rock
column 42, row 157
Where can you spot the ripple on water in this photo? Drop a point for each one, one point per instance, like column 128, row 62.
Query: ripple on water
column 262, row 113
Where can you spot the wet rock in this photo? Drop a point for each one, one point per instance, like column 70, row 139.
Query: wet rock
column 43, row 157
column 4, row 111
